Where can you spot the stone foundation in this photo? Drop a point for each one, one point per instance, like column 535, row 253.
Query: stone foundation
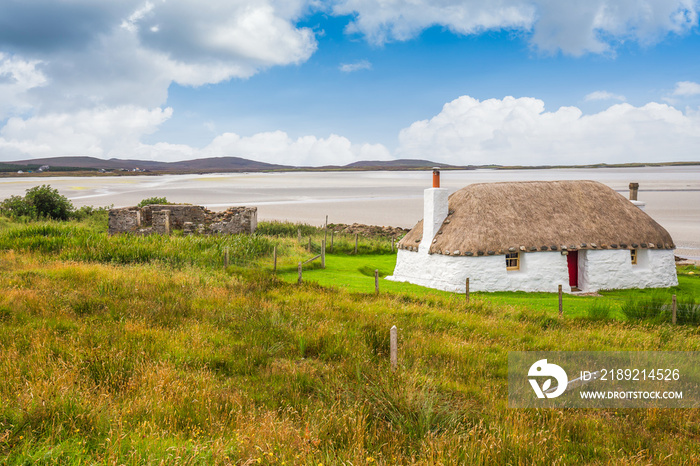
column 191, row 219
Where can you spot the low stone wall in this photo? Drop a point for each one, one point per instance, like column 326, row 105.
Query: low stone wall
column 192, row 219
column 125, row 220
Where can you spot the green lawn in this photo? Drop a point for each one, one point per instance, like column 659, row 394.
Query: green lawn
column 356, row 273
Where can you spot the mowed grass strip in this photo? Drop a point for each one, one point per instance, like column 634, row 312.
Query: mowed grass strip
column 356, row 273
column 149, row 363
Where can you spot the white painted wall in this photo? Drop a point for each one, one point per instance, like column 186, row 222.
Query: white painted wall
column 539, row 271
column 435, row 209
column 613, row 269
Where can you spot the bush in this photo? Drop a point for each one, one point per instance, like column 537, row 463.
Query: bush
column 49, row 203
column 39, row 202
column 16, row 207
column 153, row 200
column 99, row 214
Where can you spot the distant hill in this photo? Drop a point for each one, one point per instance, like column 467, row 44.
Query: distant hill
column 238, row 164
column 401, row 164
column 224, row 164
column 212, row 164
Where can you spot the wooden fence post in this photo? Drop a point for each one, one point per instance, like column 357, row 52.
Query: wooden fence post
column 674, row 309
column 355, row 243
column 226, row 258
column 561, row 303
column 325, row 230
column 466, row 294
column 376, row 281
column 274, row 259
column 309, row 244
column 299, row 280
column 392, row 244
column 323, row 254
column 332, row 234
column 394, row 348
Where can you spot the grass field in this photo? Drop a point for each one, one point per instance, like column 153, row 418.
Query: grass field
column 356, row 273
column 154, row 353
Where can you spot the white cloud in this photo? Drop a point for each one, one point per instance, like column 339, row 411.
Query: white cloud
column 520, row 132
column 573, row 27
column 273, row 147
column 687, row 89
column 249, row 34
column 17, row 76
column 278, row 147
column 129, row 52
column 605, row 95
column 117, row 132
column 357, row 66
column 104, row 132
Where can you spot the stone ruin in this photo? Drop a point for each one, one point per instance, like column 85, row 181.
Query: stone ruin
column 191, row 219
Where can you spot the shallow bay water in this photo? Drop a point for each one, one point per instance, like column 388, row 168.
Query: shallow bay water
column 672, row 194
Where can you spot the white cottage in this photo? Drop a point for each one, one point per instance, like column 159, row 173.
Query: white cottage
column 535, row 236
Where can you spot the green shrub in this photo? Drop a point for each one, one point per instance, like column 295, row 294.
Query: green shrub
column 39, row 202
column 153, row 200
column 49, row 203
column 17, row 207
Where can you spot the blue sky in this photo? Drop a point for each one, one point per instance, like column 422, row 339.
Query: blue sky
column 314, row 83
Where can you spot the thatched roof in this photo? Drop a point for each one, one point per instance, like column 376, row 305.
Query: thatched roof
column 495, row 218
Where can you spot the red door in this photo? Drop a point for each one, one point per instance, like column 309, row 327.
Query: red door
column 572, row 261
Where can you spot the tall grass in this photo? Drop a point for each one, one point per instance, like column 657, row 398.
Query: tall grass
column 688, row 310
column 144, row 364
column 655, row 307
column 599, row 310
column 79, row 243
column 341, row 243
column 286, row 229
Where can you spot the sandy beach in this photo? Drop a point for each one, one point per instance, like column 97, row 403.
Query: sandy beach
column 672, row 194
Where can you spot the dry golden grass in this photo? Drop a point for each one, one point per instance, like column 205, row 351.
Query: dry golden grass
column 135, row 364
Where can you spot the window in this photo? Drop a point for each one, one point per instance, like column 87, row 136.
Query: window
column 633, row 255
column 513, row 261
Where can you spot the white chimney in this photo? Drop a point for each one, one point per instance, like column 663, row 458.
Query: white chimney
column 435, row 210
column 634, row 189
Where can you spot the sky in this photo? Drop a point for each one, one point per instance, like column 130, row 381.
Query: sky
column 313, row 82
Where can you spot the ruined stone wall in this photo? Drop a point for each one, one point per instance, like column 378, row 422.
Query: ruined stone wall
column 179, row 214
column 235, row 220
column 161, row 222
column 192, row 219
column 125, row 220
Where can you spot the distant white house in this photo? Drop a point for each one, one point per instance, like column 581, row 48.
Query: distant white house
column 535, row 236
